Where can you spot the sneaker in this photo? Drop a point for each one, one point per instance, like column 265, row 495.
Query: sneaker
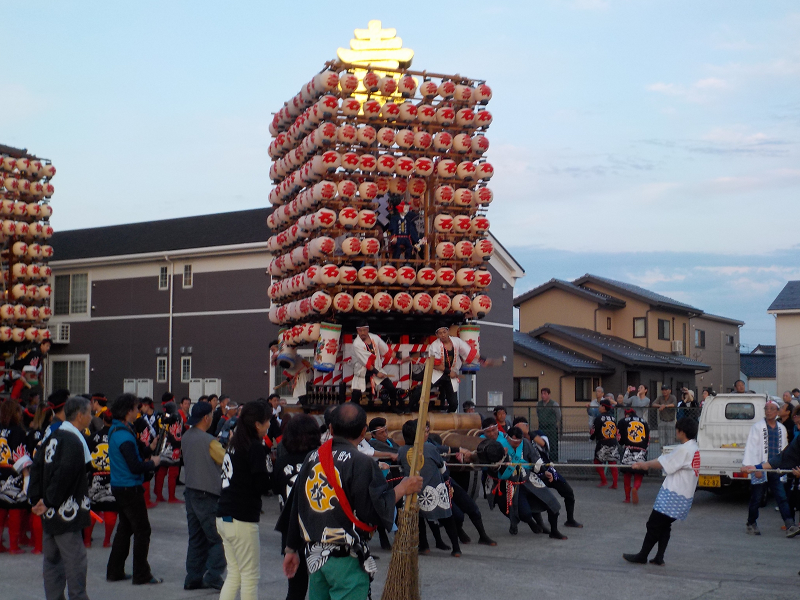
column 792, row 531
column 635, row 558
column 753, row 529
column 657, row 561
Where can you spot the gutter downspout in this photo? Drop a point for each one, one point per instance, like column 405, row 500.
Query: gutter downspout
column 595, row 318
column 647, row 329
column 171, row 297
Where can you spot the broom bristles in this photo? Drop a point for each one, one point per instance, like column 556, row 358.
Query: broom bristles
column 402, row 579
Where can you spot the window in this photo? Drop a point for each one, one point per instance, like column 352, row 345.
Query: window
column 608, row 323
column 68, row 374
column 729, row 339
column 740, row 411
column 699, row 338
column 163, row 279
column 187, row 276
column 584, row 388
column 161, row 369
column 186, row 369
column 663, row 329
column 71, row 294
column 639, row 327
column 526, row 389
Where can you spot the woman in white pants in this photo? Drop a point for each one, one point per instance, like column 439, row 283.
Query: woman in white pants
column 246, row 473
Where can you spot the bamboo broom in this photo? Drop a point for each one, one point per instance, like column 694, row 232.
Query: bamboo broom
column 402, row 579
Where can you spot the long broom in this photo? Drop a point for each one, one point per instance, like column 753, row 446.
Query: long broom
column 402, row 579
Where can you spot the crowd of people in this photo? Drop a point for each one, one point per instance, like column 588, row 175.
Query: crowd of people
column 70, row 463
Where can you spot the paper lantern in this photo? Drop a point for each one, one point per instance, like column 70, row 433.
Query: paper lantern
column 20, row 312
column 479, row 225
column 441, row 303
column 372, row 109
column 32, row 313
column 442, row 141
column 7, row 207
column 390, row 111
column 370, row 246
column 482, row 93
column 5, row 334
column 366, row 135
column 484, row 171
column 10, row 183
column 327, row 107
column 398, row 185
column 446, row 116
column 312, row 274
column 443, row 194
column 466, row 170
column 404, row 166
column 463, row 93
column 406, row 276
column 423, row 166
column 386, row 136
column 367, row 219
column 382, row 302
column 346, row 189
column 45, row 291
column 9, row 163
column 462, row 143
column 348, row 83
column 362, row 302
column 346, row 134
column 482, row 196
column 7, row 312
column 351, row 246
column 20, row 208
column 480, row 144
column 17, row 334
column 387, row 85
column 48, row 189
column 443, row 223
column 36, row 189
column 367, row 163
column 403, row 302
column 446, row 169
column 19, row 271
column 21, row 229
column 386, row 163
column 347, row 274
column 422, row 302
column 407, row 86
column 351, row 107
column 326, row 134
column 417, row 187
column 372, row 81
column 484, row 249
column 446, row 89
column 445, row 250
column 350, row 161
column 462, row 197
column 483, row 278
column 464, row 249
column 43, row 334
column 368, row 275
column 387, row 275
column 368, row 190
column 426, row 276
column 483, row 119
column 45, row 271
column 18, row 291
column 426, row 114
column 326, row 217
column 445, row 276
column 465, row 117
column 21, row 249
column 404, row 138
column 422, row 140
column 408, row 113
column 323, row 191
column 481, row 305
column 348, row 217
column 462, row 224
column 428, row 89
column 329, row 274
column 326, row 81
column 343, row 302
column 465, row 277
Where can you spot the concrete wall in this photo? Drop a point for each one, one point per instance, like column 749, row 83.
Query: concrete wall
column 723, row 358
column 787, row 339
column 760, row 386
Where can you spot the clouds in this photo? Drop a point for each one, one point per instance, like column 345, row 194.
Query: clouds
column 701, row 91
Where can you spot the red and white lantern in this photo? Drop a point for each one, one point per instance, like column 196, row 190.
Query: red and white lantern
column 445, row 250
column 351, row 246
column 387, row 275
column 406, row 276
column 368, row 275
column 403, row 302
column 422, row 302
column 441, row 303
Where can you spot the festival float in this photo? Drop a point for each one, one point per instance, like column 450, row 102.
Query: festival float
column 26, row 188
column 380, row 195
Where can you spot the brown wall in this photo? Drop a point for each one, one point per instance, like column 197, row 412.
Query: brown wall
column 721, row 357
column 556, row 306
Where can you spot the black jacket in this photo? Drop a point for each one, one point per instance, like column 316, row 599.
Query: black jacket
column 58, row 477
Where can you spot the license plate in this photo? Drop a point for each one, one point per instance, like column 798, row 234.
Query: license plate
column 709, row 481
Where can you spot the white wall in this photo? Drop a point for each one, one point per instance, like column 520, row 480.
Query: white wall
column 787, row 339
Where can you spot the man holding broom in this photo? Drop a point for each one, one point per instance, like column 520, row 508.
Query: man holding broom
column 339, row 498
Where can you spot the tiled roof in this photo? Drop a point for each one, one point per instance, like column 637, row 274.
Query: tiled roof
column 720, row 319
column 591, row 295
column 622, row 350
column 761, row 366
column 764, row 349
column 638, row 292
column 558, row 356
column 240, row 227
column 788, row 299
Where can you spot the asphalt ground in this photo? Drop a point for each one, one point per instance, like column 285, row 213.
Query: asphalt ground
column 709, row 556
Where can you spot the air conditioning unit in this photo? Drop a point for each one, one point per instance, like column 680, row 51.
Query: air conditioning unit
column 677, row 346
column 59, row 334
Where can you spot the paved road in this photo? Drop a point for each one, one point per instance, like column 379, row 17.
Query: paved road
column 709, row 557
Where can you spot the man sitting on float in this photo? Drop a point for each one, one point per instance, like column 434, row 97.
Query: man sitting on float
column 370, row 353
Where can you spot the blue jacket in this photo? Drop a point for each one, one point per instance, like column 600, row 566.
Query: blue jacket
column 121, row 474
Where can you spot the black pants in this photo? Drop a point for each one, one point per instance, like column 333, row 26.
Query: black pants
column 391, row 392
column 447, row 395
column 450, row 528
column 463, row 505
column 659, row 527
column 132, row 521
column 564, row 490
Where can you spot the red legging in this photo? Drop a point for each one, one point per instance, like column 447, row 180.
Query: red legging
column 109, row 519
column 171, row 473
column 13, row 517
column 602, row 472
column 36, row 533
column 637, row 481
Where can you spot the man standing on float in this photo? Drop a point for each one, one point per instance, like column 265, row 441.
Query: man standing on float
column 370, row 353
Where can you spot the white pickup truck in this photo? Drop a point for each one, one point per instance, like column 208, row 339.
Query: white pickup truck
column 725, row 421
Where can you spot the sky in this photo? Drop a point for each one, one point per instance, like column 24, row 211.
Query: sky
column 650, row 141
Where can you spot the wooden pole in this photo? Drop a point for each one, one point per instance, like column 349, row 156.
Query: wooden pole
column 422, row 419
